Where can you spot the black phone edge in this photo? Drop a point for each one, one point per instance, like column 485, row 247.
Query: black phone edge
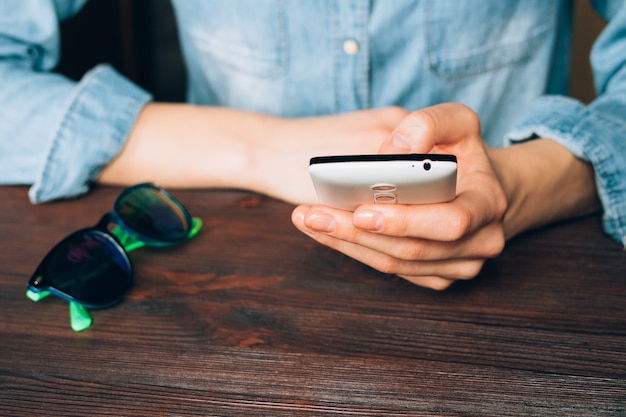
column 382, row 157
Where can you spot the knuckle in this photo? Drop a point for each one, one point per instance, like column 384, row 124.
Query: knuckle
column 494, row 246
column 465, row 270
column 502, row 205
column 386, row 265
column 413, row 251
column 400, row 225
column 459, row 225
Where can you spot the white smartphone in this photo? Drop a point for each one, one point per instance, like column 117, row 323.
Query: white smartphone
column 347, row 181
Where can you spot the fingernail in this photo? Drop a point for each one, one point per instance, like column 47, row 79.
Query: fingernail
column 321, row 222
column 400, row 143
column 297, row 216
column 369, row 220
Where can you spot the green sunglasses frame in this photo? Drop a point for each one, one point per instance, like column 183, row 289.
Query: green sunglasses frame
column 80, row 319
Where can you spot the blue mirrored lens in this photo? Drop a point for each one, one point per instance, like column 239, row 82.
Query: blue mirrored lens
column 154, row 214
column 90, row 267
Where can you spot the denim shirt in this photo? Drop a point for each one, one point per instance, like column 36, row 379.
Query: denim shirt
column 507, row 60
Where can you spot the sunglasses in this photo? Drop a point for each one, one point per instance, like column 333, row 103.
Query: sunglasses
column 91, row 268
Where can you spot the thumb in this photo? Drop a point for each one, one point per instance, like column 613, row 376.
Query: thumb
column 421, row 130
column 396, row 143
column 410, row 136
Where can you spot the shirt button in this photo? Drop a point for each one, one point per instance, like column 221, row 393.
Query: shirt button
column 351, row 47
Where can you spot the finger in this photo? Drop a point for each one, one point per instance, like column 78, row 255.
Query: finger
column 320, row 219
column 442, row 124
column 438, row 222
column 380, row 260
column 472, row 209
column 486, row 242
column 434, row 283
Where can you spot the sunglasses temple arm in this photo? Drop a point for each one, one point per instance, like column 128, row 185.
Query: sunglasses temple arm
column 80, row 319
column 196, row 225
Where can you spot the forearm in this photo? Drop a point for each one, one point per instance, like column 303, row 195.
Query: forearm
column 179, row 145
column 544, row 183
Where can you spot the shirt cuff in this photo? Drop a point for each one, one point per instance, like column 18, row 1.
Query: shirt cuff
column 591, row 136
column 98, row 118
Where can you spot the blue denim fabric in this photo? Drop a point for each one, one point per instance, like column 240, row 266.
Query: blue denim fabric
column 507, row 60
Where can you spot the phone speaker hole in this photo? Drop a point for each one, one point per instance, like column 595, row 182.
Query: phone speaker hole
column 384, row 187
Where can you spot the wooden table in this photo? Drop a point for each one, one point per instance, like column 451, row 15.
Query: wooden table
column 252, row 318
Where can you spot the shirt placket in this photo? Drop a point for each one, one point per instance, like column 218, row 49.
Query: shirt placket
column 351, row 46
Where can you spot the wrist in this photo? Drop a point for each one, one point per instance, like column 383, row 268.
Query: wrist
column 543, row 183
column 504, row 164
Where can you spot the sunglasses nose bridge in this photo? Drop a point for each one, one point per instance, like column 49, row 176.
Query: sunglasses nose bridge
column 105, row 221
column 113, row 225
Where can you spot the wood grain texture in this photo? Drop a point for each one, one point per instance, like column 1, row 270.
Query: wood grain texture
column 252, row 318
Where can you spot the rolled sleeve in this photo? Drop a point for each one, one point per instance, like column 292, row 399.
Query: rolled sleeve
column 99, row 116
column 592, row 136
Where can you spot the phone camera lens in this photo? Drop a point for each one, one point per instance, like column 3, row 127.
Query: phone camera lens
column 427, row 165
